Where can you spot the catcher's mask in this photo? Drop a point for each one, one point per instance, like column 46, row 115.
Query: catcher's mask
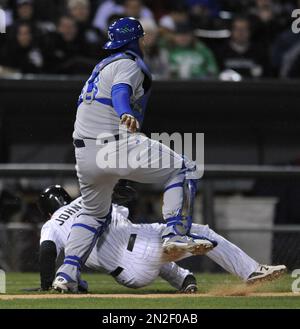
column 51, row 199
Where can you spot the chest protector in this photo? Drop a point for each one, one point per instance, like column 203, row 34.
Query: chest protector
column 139, row 105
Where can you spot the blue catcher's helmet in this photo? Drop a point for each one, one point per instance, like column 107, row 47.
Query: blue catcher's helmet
column 123, row 31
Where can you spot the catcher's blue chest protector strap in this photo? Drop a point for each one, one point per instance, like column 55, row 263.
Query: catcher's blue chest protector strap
column 139, row 105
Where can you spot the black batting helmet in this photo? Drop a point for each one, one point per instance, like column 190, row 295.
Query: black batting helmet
column 51, row 199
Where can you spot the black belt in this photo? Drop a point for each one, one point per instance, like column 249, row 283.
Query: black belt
column 130, row 247
column 80, row 142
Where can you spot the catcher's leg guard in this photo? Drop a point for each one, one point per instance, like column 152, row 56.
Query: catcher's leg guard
column 177, row 239
column 180, row 224
column 190, row 196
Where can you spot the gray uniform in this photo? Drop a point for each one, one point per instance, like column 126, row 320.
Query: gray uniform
column 95, row 118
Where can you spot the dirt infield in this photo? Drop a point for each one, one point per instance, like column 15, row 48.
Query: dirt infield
column 150, row 296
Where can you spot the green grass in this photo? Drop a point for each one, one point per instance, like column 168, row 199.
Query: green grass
column 159, row 303
column 104, row 284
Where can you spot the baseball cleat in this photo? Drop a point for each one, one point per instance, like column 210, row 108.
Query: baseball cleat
column 62, row 285
column 189, row 285
column 176, row 246
column 266, row 273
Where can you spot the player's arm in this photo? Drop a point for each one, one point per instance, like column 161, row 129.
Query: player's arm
column 47, row 259
column 127, row 79
column 50, row 247
column 121, row 94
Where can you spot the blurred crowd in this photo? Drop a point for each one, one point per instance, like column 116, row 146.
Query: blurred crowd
column 185, row 39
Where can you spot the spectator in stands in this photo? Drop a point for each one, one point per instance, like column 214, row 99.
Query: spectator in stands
column 113, row 18
column 158, row 7
column 156, row 57
column 242, row 55
column 212, row 6
column 136, row 8
column 267, row 21
column 79, row 10
column 106, row 10
column 178, row 15
column 204, row 14
column 189, row 58
column 65, row 52
column 25, row 12
column 291, row 63
column 49, row 10
column 282, row 50
column 21, row 52
column 109, row 8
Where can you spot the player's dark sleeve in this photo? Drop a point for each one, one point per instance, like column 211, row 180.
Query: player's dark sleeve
column 47, row 263
column 120, row 95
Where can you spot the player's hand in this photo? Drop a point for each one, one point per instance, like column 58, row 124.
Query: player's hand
column 130, row 122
